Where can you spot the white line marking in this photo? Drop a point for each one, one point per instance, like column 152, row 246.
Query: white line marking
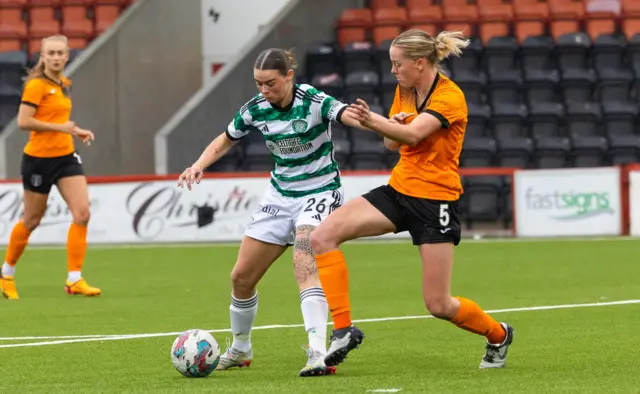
column 120, row 337
column 384, row 391
column 366, row 241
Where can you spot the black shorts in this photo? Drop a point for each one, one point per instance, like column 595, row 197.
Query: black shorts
column 39, row 174
column 428, row 221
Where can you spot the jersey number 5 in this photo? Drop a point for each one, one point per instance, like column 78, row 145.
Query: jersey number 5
column 444, row 215
column 320, row 206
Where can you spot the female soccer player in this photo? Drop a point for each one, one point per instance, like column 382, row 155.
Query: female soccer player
column 50, row 159
column 295, row 122
column 429, row 116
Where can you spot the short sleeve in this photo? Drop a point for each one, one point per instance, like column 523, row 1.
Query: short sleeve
column 33, row 93
column 448, row 106
column 396, row 107
column 331, row 109
column 240, row 126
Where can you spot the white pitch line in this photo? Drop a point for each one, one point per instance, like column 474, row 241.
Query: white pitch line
column 96, row 338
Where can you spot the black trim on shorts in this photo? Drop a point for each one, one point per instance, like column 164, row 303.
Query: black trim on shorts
column 30, row 104
column 440, row 117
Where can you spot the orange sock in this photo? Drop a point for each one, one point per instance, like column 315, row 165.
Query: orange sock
column 17, row 242
column 334, row 275
column 472, row 318
column 76, row 247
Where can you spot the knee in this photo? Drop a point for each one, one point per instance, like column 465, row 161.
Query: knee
column 322, row 241
column 81, row 216
column 241, row 284
column 31, row 222
column 440, row 307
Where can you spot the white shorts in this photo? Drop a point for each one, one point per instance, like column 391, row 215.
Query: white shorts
column 276, row 218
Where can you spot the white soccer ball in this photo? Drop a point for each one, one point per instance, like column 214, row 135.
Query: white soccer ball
column 195, row 353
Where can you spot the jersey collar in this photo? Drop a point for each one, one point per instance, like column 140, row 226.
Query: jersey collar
column 426, row 100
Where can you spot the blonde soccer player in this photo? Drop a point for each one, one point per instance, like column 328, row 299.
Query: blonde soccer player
column 50, row 159
column 428, row 121
column 295, row 122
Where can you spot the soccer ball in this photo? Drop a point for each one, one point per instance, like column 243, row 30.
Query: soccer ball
column 195, row 353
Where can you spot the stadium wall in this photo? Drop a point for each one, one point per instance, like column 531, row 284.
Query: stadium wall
column 126, row 85
column 210, row 110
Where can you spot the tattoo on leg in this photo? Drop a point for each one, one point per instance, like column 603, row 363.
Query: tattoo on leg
column 304, row 264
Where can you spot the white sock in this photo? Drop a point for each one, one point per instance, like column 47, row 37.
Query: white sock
column 74, row 276
column 243, row 313
column 8, row 270
column 315, row 312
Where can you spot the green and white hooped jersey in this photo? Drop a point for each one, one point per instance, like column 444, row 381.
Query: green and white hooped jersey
column 299, row 138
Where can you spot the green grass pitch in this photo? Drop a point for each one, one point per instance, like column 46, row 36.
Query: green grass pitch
column 162, row 290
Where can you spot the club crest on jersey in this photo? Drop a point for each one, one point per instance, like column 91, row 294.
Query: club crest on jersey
column 299, row 126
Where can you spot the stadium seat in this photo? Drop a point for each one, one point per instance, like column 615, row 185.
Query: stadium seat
column 382, row 57
column 322, row 59
column 10, row 45
column 608, row 52
column 483, row 198
column 478, row 152
column 358, row 56
column 43, row 22
column 540, row 86
column 545, row 120
column 620, row 118
column 537, row 53
column 508, row 121
column 530, row 19
column 614, row 85
column 500, row 55
column 478, row 121
column 422, row 12
column 385, row 33
column 353, row 25
column 577, row 85
column 460, row 16
column 505, row 88
column 552, row 152
column 13, row 3
column 368, row 152
column 76, row 24
column 105, row 15
column 470, row 61
column 388, row 91
column 9, row 102
column 331, row 84
column 85, row 3
column 631, row 27
column 589, row 151
column 44, row 3
column 633, row 54
column 495, row 20
column 624, row 149
column 387, row 23
column 565, row 16
column 11, row 24
column 583, row 119
column 572, row 51
column 515, row 152
column 473, row 86
column 382, row 4
column 11, row 66
column 363, row 85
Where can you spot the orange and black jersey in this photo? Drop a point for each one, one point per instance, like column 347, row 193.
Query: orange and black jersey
column 430, row 169
column 53, row 105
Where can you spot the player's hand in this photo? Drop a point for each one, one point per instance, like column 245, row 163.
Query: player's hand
column 190, row 176
column 360, row 111
column 400, row 118
column 85, row 135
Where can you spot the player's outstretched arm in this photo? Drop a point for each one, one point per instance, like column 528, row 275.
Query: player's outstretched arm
column 412, row 134
column 212, row 153
column 388, row 143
